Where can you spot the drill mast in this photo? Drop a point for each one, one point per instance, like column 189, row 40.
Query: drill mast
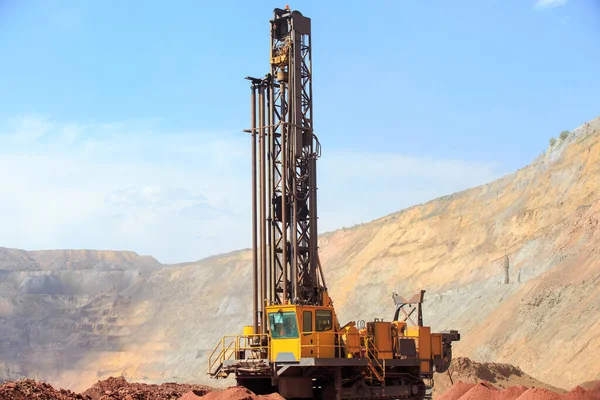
column 286, row 268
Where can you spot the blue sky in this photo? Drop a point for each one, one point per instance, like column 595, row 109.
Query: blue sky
column 120, row 122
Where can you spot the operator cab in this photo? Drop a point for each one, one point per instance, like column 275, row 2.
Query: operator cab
column 301, row 332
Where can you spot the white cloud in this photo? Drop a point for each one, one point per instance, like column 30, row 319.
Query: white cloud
column 543, row 4
column 114, row 186
column 29, row 129
column 181, row 196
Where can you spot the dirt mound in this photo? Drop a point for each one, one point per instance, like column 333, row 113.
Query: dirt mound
column 485, row 371
column 456, row 391
column 120, row 389
column 238, row 393
column 28, row 389
column 487, row 391
column 513, row 392
column 580, row 393
column 483, row 390
column 539, row 394
column 191, row 396
column 502, row 376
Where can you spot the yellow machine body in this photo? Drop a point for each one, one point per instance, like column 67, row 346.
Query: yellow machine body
column 306, row 336
column 381, row 334
column 351, row 339
column 298, row 331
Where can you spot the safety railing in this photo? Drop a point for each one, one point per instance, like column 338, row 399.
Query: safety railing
column 374, row 364
column 324, row 345
column 235, row 347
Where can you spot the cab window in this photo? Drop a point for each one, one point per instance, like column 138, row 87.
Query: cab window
column 307, row 321
column 323, row 320
column 283, row 325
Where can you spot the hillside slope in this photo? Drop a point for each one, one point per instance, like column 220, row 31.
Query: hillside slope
column 544, row 217
column 72, row 317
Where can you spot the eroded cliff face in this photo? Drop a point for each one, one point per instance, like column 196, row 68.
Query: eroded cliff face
column 72, row 317
column 55, row 306
column 544, row 217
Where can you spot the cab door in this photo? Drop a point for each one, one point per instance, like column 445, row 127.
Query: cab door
column 324, row 333
column 307, row 336
column 284, row 332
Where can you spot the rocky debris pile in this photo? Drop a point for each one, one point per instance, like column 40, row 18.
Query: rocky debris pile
column 120, row 389
column 233, row 393
column 109, row 389
column 487, row 391
column 500, row 375
column 28, row 389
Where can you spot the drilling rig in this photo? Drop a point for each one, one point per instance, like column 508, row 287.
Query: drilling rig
column 296, row 345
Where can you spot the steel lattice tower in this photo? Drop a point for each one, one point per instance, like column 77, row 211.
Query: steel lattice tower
column 286, row 262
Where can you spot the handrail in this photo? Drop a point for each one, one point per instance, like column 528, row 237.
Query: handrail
column 372, row 352
column 373, row 355
column 231, row 345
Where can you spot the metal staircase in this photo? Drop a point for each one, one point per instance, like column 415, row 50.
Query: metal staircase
column 375, row 366
column 251, row 349
column 225, row 350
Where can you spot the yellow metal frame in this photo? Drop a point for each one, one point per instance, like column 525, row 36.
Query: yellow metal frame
column 317, row 344
column 231, row 345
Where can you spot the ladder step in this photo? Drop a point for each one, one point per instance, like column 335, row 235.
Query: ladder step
column 375, row 372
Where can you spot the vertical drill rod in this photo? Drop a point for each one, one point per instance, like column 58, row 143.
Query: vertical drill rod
column 254, row 239
column 263, row 236
column 284, row 203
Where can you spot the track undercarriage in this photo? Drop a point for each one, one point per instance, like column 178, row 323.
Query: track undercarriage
column 334, row 379
column 333, row 383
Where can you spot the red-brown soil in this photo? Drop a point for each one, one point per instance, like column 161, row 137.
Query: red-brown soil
column 109, row 389
column 502, row 376
column 487, row 391
column 120, row 389
column 28, row 389
column 237, row 393
column 456, row 391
